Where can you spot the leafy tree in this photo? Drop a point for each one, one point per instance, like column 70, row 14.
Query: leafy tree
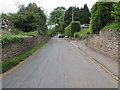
column 29, row 18
column 57, row 18
column 68, row 15
column 55, row 15
column 116, row 12
column 84, row 15
column 101, row 15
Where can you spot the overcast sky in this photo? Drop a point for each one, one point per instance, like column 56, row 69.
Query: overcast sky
column 7, row 6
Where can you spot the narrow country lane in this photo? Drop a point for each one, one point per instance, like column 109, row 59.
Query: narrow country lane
column 59, row 64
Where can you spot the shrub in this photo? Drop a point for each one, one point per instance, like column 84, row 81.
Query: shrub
column 12, row 38
column 34, row 34
column 116, row 12
column 75, row 27
column 82, row 33
column 9, row 38
column 76, row 34
column 68, row 31
column 101, row 15
column 72, row 28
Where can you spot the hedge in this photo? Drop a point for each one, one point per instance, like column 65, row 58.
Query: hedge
column 75, row 27
column 72, row 28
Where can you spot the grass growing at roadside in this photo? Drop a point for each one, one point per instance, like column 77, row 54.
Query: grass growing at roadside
column 115, row 26
column 10, row 63
column 8, row 37
column 83, row 32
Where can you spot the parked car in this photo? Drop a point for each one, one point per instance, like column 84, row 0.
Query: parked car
column 60, row 36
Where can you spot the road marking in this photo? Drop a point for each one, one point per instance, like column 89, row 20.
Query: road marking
column 99, row 64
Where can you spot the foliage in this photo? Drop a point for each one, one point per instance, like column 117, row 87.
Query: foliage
column 116, row 12
column 68, row 15
column 85, row 15
column 57, row 18
column 34, row 34
column 9, row 38
column 10, row 63
column 101, row 15
column 72, row 28
column 28, row 18
column 114, row 26
column 82, row 32
column 82, row 15
column 55, row 15
column 75, row 27
column 68, row 31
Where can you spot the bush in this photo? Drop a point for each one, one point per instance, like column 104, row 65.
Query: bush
column 34, row 34
column 75, row 27
column 68, row 31
column 12, row 38
column 28, row 18
column 72, row 28
column 76, row 34
column 101, row 15
column 82, row 33
column 9, row 38
column 116, row 12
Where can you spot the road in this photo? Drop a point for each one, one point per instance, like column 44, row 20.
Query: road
column 59, row 64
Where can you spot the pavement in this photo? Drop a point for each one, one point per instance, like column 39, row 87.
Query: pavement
column 59, row 64
column 107, row 62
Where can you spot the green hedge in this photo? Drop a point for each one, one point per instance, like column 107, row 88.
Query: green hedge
column 101, row 15
column 68, row 31
column 75, row 27
column 34, row 33
column 83, row 32
column 12, row 38
column 72, row 28
column 9, row 38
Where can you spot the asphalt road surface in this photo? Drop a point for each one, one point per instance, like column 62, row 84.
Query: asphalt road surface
column 59, row 64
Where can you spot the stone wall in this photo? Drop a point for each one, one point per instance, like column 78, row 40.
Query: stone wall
column 15, row 49
column 106, row 42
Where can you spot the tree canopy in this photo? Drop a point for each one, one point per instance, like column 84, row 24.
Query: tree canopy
column 82, row 15
column 57, row 18
column 101, row 15
column 55, row 15
column 29, row 18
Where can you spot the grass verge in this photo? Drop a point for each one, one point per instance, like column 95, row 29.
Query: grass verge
column 82, row 32
column 10, row 63
column 114, row 26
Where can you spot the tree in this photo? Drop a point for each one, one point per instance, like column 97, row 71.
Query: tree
column 68, row 15
column 116, row 11
column 55, row 15
column 101, row 15
column 57, row 18
column 84, row 15
column 29, row 18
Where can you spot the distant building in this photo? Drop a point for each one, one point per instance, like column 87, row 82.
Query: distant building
column 84, row 26
column 51, row 26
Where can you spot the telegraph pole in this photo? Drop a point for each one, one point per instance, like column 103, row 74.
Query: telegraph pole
column 72, row 14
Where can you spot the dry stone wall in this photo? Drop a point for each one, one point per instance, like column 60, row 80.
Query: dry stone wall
column 106, row 42
column 15, row 49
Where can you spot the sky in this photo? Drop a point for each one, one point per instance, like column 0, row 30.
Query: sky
column 7, row 6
